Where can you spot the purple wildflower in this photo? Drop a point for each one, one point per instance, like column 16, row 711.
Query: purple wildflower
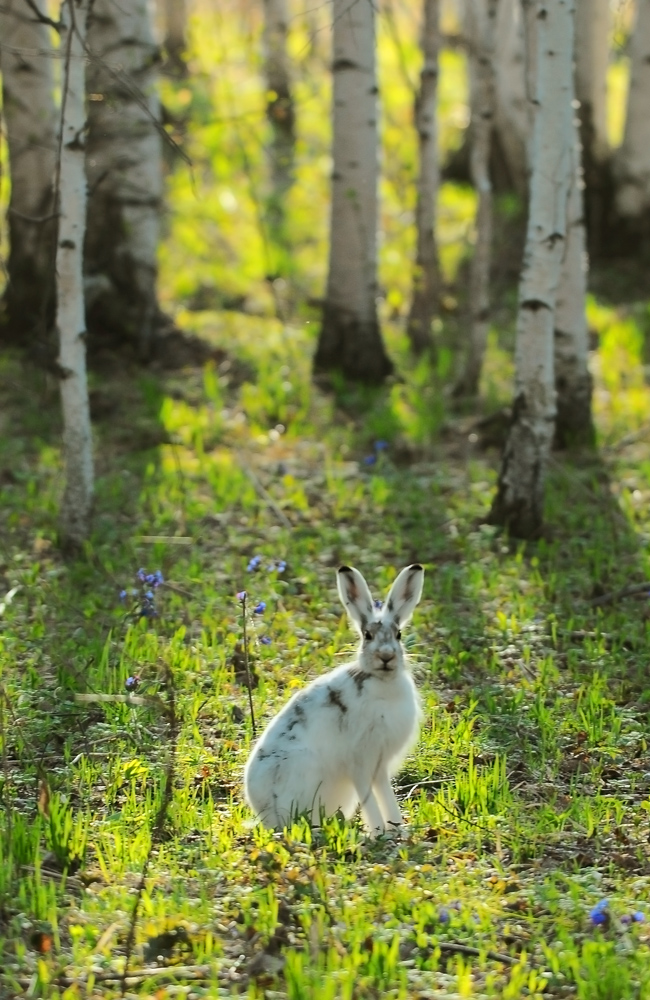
column 443, row 915
column 122, row 595
column 131, row 683
column 280, row 568
column 241, row 596
column 254, row 564
column 369, row 459
column 265, row 640
column 158, row 578
column 379, row 604
column 259, row 608
column 141, row 575
column 381, row 446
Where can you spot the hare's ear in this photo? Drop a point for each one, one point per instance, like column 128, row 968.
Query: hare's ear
column 404, row 595
column 355, row 596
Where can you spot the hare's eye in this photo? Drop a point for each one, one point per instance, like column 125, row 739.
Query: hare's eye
column 399, row 634
column 367, row 636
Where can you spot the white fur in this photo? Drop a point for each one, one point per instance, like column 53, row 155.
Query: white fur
column 337, row 743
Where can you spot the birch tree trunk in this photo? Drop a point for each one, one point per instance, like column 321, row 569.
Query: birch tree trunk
column 512, row 134
column 175, row 42
column 70, row 317
column 485, row 17
column 633, row 159
column 573, row 424
column 29, row 111
column 124, row 168
column 280, row 113
column 350, row 340
column 519, row 502
column 426, row 279
column 591, row 62
column 592, row 59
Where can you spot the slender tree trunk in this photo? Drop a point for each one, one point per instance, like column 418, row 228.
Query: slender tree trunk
column 350, row 340
column 124, row 167
column 280, row 113
column 592, row 58
column 573, row 424
column 512, row 135
column 77, row 437
column 426, row 283
column 31, row 123
column 485, row 14
column 633, row 159
column 175, row 42
column 519, row 502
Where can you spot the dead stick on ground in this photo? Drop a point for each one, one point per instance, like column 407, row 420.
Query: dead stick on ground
column 266, row 496
column 618, row 595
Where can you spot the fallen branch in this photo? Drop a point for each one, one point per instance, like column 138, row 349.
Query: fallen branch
column 618, row 595
column 266, row 496
column 465, row 949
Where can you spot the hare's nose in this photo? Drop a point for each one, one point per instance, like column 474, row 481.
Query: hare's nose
column 386, row 657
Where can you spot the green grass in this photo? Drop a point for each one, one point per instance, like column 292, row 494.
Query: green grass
column 526, row 799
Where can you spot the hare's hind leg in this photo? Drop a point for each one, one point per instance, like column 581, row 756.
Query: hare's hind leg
column 386, row 799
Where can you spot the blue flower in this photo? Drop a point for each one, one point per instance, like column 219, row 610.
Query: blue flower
column 158, row 578
column 443, row 915
column 369, row 459
column 149, row 578
column 281, row 566
column 131, row 683
column 379, row 604
column 265, row 640
column 122, row 595
column 598, row 914
column 260, row 608
column 638, row 917
column 149, row 595
column 141, row 574
column 241, row 596
column 254, row 564
column 381, row 445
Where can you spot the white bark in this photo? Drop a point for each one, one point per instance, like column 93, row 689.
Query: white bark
column 591, row 61
column 512, row 124
column 124, row 166
column 426, row 284
column 572, row 379
column 29, row 111
column 484, row 14
column 350, row 340
column 633, row 158
column 520, row 497
column 77, row 437
column 175, row 41
column 280, row 111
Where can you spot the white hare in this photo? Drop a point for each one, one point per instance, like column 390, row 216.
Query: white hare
column 336, row 744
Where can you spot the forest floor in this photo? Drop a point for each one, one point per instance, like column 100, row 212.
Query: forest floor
column 523, row 868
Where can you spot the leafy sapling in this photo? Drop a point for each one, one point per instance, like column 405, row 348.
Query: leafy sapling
column 338, row 742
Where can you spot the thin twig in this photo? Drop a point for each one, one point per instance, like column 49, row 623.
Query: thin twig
column 265, row 495
column 157, row 832
column 247, row 666
column 465, row 949
column 43, row 18
column 618, row 595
